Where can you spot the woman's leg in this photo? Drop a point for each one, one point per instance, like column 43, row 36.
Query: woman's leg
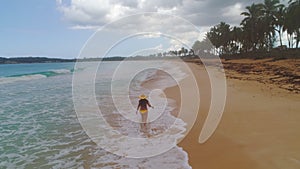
column 144, row 118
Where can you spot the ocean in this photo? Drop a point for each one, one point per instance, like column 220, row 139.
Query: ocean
column 65, row 115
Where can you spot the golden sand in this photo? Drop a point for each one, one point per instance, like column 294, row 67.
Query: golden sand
column 260, row 128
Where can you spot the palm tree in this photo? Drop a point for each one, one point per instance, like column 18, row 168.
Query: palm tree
column 252, row 23
column 292, row 21
column 236, row 38
column 186, row 51
column 219, row 36
column 196, row 47
column 202, row 48
column 270, row 11
column 280, row 19
column 183, row 51
column 224, row 30
column 213, row 37
column 191, row 52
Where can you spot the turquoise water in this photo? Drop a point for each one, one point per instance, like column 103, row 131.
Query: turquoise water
column 10, row 70
column 39, row 127
column 37, row 120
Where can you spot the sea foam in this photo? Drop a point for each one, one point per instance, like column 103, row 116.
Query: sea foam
column 125, row 138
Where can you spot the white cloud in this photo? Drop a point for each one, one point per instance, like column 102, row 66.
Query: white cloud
column 233, row 12
column 150, row 35
column 85, row 27
column 159, row 47
column 175, row 45
column 93, row 14
column 200, row 12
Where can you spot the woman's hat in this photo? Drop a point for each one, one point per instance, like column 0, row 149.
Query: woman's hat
column 142, row 96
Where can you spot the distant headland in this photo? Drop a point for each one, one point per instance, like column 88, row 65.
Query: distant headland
column 24, row 60
column 19, row 60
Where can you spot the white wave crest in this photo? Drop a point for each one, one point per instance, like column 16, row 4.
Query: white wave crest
column 5, row 80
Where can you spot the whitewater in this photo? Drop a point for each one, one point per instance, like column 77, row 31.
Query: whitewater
column 42, row 123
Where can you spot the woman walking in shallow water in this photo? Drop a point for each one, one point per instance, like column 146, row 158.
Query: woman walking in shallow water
column 142, row 107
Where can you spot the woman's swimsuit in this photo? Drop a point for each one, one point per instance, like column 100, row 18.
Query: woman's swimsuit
column 143, row 105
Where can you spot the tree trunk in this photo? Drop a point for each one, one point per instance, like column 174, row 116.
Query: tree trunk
column 289, row 41
column 297, row 38
column 280, row 38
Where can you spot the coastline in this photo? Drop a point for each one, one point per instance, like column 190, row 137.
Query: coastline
column 258, row 128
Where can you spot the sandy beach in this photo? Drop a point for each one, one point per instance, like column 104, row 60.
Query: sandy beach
column 259, row 128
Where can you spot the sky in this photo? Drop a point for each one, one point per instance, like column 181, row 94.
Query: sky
column 84, row 28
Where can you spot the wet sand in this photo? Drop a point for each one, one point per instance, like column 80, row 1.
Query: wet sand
column 260, row 127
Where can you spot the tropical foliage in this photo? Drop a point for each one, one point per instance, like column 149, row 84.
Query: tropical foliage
column 264, row 26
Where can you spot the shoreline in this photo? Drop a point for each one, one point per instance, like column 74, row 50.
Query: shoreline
column 258, row 128
column 151, row 84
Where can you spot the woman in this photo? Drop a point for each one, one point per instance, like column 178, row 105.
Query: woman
column 143, row 103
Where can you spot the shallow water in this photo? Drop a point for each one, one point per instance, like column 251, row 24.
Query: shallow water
column 39, row 127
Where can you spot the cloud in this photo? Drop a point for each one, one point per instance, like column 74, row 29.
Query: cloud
column 150, row 35
column 175, row 45
column 94, row 14
column 200, row 12
column 85, row 27
column 155, row 25
column 233, row 12
column 159, row 47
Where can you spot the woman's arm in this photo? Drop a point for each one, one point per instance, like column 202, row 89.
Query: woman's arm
column 148, row 103
column 138, row 107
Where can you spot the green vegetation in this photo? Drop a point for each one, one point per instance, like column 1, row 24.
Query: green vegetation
column 264, row 24
column 32, row 60
column 259, row 35
column 19, row 60
column 53, row 60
